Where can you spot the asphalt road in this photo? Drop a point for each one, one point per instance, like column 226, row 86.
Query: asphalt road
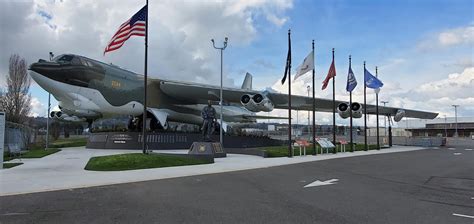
column 426, row 186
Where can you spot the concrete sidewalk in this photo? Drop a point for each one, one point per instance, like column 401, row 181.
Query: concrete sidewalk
column 65, row 169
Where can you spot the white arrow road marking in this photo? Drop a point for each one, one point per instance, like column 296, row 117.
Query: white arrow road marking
column 457, row 153
column 468, row 149
column 322, row 183
column 465, row 216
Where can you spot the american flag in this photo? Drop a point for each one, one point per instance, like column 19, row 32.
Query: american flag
column 135, row 26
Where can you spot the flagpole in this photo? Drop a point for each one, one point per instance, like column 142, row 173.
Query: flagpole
column 334, row 106
column 377, row 110
column 144, row 149
column 365, row 112
column 290, row 151
column 314, row 106
column 350, row 110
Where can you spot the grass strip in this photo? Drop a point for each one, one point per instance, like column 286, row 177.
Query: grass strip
column 134, row 161
column 282, row 151
column 10, row 165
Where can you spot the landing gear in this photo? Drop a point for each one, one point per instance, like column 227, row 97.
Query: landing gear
column 136, row 124
column 89, row 125
column 154, row 125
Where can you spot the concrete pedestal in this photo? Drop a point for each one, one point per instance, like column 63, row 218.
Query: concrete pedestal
column 207, row 148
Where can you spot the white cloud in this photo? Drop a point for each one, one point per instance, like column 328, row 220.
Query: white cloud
column 448, row 38
column 37, row 108
column 179, row 32
column 457, row 36
column 436, row 96
column 455, row 86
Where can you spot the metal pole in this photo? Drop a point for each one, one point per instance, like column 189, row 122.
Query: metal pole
column 51, row 55
column 350, row 112
column 365, row 112
column 314, row 108
column 290, row 150
column 144, row 149
column 221, row 140
column 47, row 121
column 384, row 120
column 309, row 131
column 377, row 110
column 221, row 103
column 456, row 134
column 334, row 107
column 445, row 127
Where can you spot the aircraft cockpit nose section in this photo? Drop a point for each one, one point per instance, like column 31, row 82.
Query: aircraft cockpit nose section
column 70, row 69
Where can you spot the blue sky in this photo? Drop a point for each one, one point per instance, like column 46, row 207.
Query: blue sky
column 375, row 31
column 417, row 45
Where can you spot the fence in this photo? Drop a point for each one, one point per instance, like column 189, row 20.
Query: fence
column 18, row 135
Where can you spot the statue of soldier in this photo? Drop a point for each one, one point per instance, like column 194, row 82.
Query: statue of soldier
column 208, row 114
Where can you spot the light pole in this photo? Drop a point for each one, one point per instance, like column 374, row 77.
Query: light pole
column 51, row 56
column 384, row 120
column 455, row 120
column 220, row 100
column 309, row 129
column 445, row 127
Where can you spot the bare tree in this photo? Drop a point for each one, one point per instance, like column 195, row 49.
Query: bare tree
column 16, row 100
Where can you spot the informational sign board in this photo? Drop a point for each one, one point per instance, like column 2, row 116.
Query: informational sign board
column 325, row 143
column 2, row 137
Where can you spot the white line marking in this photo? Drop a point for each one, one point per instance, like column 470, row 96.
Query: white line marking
column 465, row 216
column 322, row 183
column 452, row 148
column 457, row 153
column 468, row 149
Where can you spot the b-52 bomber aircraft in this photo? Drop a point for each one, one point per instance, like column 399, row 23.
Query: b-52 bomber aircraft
column 87, row 89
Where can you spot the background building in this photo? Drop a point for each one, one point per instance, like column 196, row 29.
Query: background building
column 440, row 127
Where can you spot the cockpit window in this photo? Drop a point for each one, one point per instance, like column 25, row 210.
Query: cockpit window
column 86, row 62
column 76, row 61
column 67, row 58
column 64, row 58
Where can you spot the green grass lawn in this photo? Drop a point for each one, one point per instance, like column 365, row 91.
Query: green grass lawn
column 282, row 151
column 69, row 142
column 39, row 153
column 33, row 153
column 134, row 161
column 10, row 165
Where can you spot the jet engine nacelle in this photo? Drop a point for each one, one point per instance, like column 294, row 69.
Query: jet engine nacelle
column 59, row 115
column 399, row 115
column 356, row 110
column 343, row 110
column 256, row 103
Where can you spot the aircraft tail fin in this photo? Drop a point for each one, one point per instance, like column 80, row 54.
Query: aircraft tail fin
column 247, row 84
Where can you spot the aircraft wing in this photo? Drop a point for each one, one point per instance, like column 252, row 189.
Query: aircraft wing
column 326, row 105
column 193, row 93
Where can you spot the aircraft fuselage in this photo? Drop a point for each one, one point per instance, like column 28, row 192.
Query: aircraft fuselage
column 92, row 89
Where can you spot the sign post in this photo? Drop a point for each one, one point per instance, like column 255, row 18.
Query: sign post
column 2, row 137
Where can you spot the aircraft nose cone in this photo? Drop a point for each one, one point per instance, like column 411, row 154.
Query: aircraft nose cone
column 44, row 67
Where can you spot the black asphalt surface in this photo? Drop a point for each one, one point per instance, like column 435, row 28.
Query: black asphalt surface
column 425, row 186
